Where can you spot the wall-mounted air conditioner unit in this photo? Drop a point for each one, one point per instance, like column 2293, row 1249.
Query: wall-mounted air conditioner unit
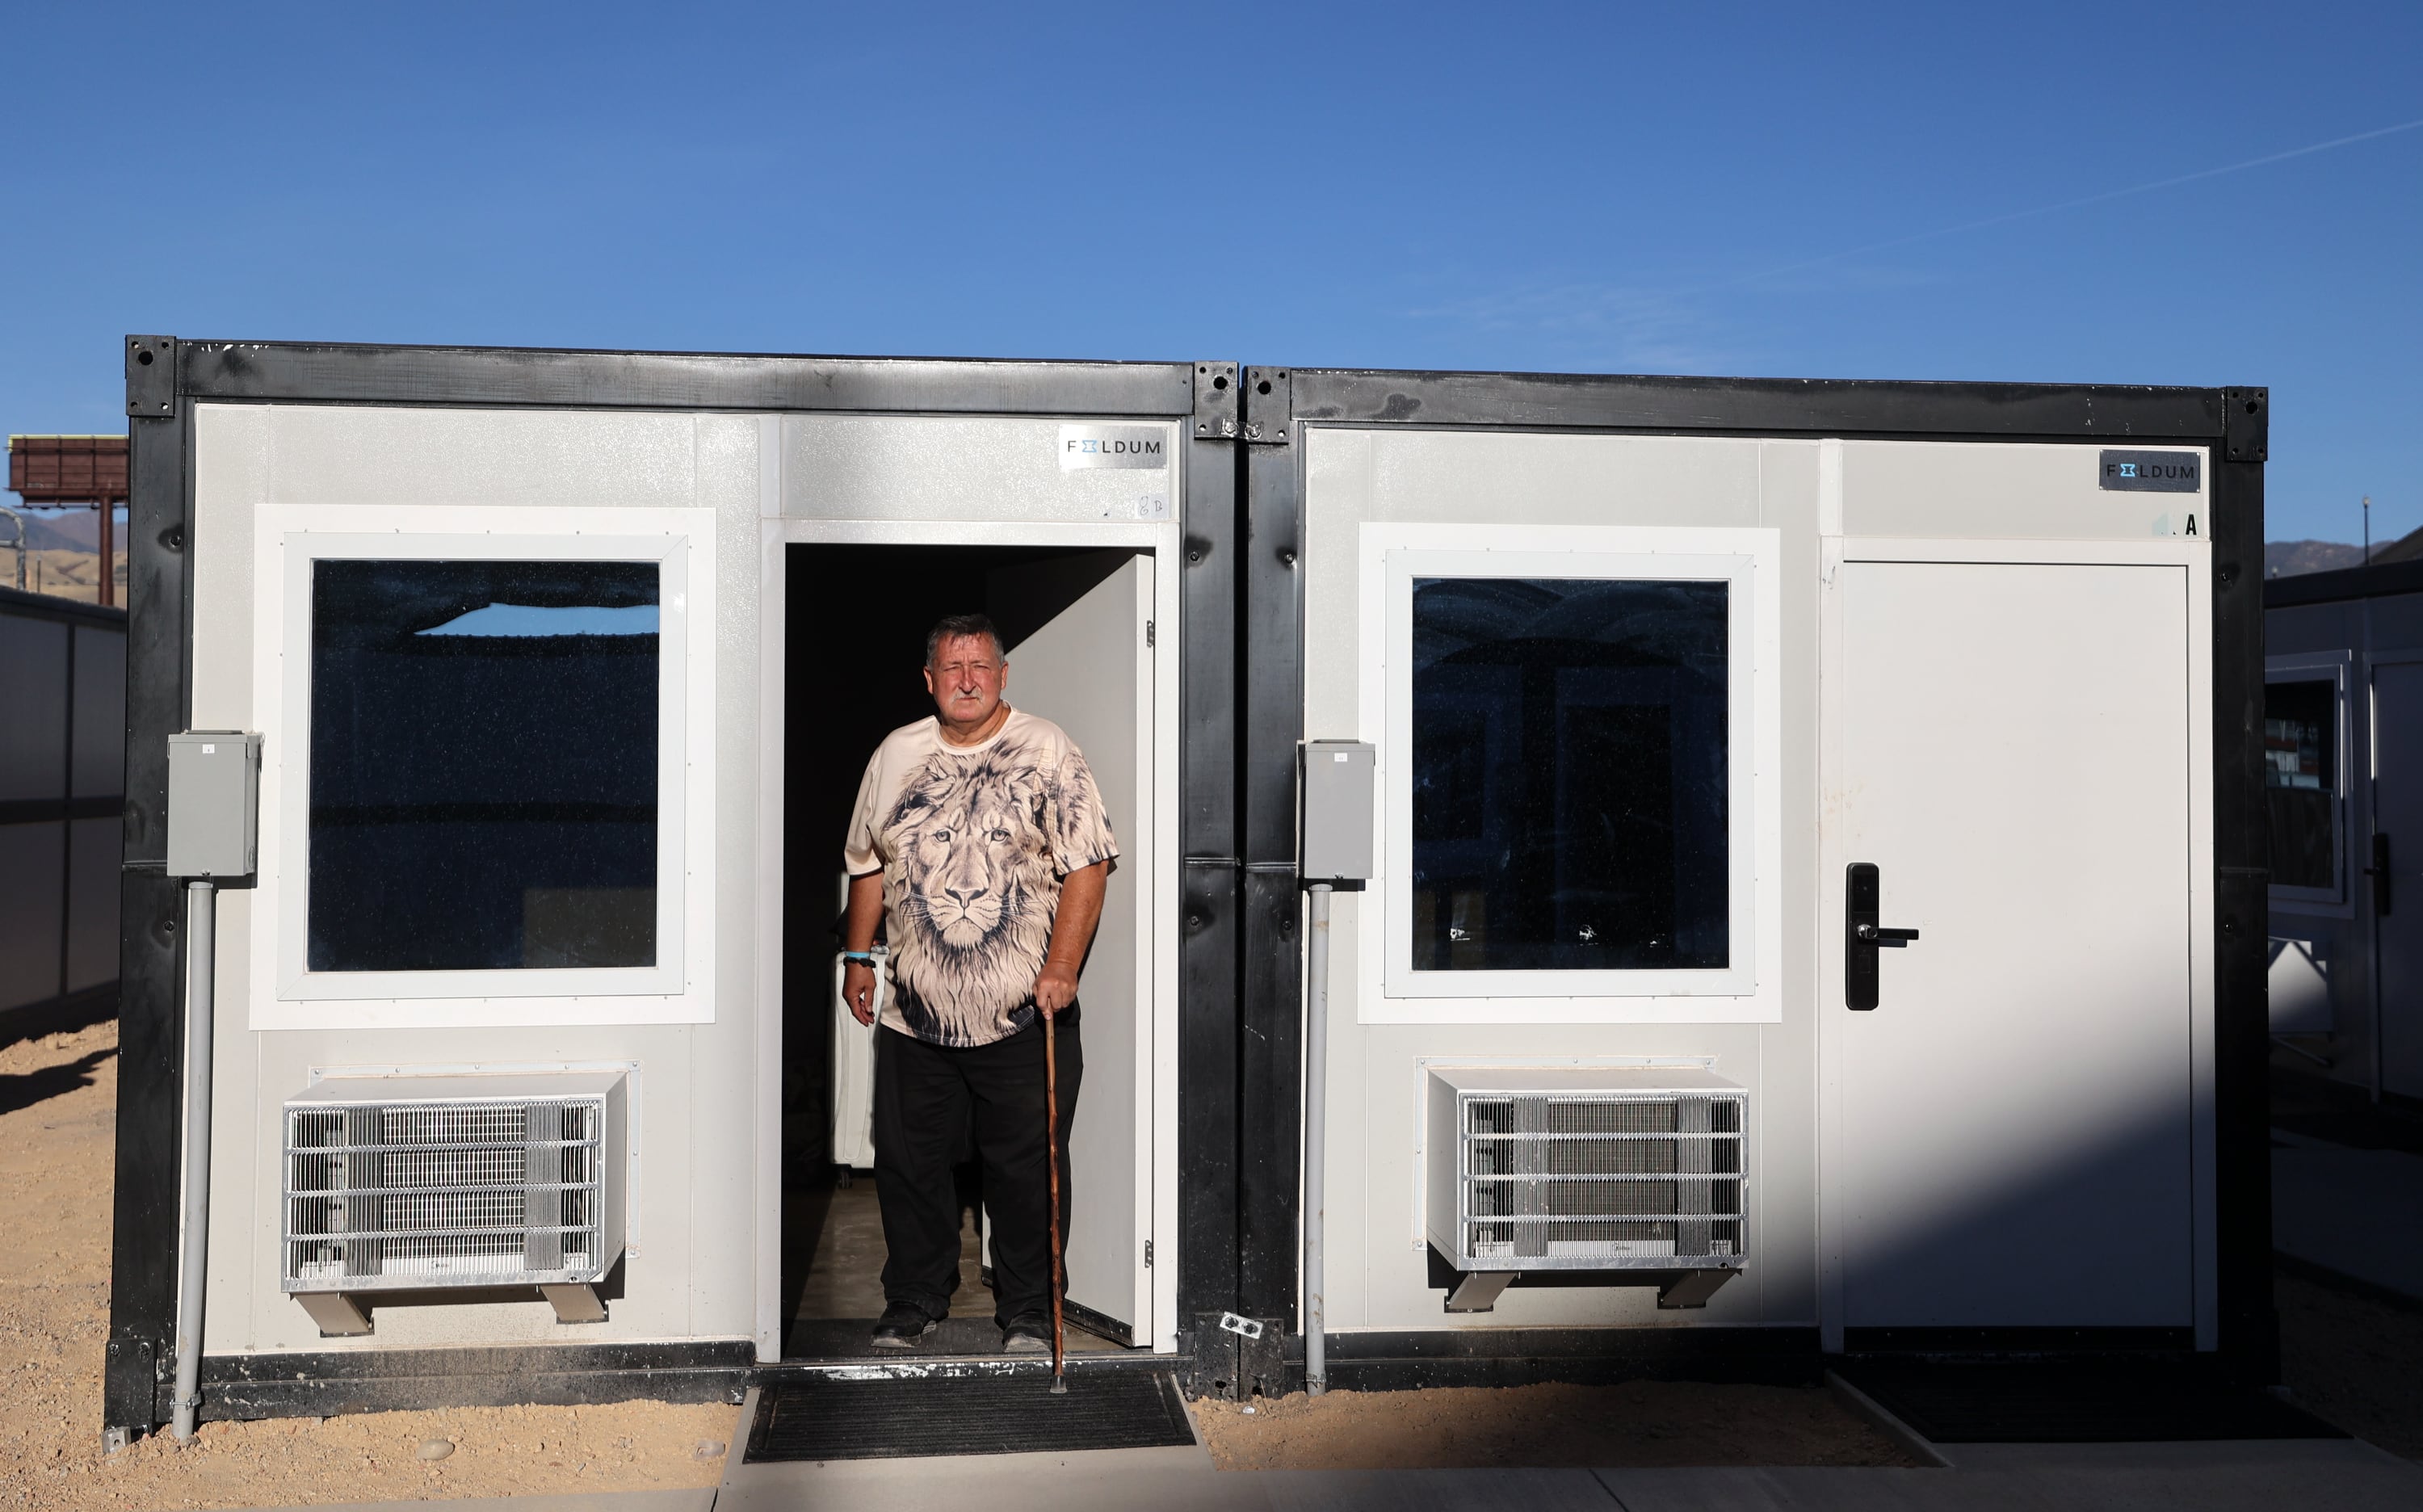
column 1622, row 1169
column 412, row 1183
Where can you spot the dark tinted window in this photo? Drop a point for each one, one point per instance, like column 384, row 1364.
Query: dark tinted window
column 1569, row 775
column 2300, row 781
column 484, row 765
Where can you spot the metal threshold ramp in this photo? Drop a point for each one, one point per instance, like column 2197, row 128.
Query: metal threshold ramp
column 989, row 1414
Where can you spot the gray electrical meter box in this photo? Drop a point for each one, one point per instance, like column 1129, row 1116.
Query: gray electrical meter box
column 1339, row 800
column 213, row 804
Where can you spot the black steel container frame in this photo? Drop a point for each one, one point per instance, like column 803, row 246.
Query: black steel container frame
column 2232, row 424
column 1239, row 962
column 165, row 377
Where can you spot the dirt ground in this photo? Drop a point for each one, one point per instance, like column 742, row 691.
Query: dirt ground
column 1636, row 1425
column 2349, row 1358
column 58, row 1096
column 63, row 574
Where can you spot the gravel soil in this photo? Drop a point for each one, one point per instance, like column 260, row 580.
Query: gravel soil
column 57, row 1101
column 2348, row 1357
column 1636, row 1425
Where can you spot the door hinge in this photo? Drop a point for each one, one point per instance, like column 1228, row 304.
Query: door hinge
column 1148, row 633
column 1148, row 1254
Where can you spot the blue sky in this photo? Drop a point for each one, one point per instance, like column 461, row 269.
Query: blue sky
column 1621, row 188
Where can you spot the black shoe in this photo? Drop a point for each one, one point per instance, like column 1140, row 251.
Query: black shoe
column 903, row 1326
column 1027, row 1334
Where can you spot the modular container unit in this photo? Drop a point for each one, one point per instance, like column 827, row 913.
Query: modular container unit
column 61, row 773
column 2343, row 745
column 1690, row 697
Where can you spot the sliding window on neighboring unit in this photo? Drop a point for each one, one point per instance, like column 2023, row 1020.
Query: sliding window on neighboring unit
column 2305, row 778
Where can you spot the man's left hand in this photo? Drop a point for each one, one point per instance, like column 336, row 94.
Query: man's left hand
column 1055, row 989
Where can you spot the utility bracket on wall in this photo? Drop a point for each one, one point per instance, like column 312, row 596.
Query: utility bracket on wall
column 347, row 1314
column 1476, row 1290
column 1694, row 1288
column 577, row 1303
column 339, row 1315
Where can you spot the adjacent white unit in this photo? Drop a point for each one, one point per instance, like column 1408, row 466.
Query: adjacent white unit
column 2397, row 752
column 411, row 1182
column 1621, row 1168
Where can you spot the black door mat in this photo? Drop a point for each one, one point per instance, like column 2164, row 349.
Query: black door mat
column 967, row 1415
column 2075, row 1402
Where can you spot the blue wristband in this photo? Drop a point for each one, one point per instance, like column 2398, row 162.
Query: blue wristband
column 863, row 957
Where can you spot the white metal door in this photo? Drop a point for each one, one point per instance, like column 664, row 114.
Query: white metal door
column 1089, row 671
column 2398, row 839
column 2011, row 745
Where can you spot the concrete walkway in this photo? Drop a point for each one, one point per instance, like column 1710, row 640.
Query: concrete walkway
column 2356, row 1211
column 2316, row 1186
column 2342, row 1475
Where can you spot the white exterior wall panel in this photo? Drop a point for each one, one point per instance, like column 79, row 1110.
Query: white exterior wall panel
column 1814, row 494
column 1378, row 1264
column 693, row 1228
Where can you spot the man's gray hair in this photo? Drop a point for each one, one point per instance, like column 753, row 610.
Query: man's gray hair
column 953, row 627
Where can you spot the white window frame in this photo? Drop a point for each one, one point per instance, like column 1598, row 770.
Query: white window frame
column 678, row 989
column 1749, row 989
column 2335, row 668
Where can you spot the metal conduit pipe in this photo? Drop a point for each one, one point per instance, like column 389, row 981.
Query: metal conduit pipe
column 18, row 520
column 1316, row 1125
column 192, row 1240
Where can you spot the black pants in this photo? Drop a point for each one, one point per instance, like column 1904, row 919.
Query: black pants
column 924, row 1095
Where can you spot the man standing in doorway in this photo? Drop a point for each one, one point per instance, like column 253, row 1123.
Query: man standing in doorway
column 979, row 843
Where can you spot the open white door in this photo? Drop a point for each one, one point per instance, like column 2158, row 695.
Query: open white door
column 1089, row 671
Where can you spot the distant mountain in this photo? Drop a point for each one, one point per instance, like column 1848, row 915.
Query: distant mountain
column 2286, row 559
column 64, row 529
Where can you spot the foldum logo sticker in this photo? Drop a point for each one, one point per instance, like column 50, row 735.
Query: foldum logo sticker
column 2153, row 472
column 1113, row 446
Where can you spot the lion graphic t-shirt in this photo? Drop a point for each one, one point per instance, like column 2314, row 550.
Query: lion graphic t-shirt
column 972, row 842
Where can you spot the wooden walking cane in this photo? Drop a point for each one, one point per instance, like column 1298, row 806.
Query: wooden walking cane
column 1051, row 1154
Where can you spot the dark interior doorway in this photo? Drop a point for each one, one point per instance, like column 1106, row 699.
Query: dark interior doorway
column 855, row 619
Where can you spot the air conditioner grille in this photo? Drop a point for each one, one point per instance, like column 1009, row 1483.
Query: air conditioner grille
column 1599, row 1180
column 459, row 1192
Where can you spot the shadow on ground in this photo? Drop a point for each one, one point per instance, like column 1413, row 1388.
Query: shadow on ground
column 32, row 1086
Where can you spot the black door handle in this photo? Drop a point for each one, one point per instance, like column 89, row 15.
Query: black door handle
column 1865, row 902
column 2378, row 872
